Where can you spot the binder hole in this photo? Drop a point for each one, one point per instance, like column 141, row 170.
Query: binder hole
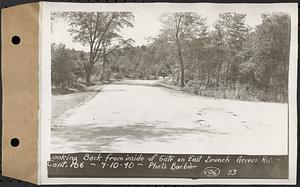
column 16, row 40
column 15, row 142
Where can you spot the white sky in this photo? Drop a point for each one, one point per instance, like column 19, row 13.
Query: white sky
column 147, row 24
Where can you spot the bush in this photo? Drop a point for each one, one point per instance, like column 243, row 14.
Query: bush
column 236, row 91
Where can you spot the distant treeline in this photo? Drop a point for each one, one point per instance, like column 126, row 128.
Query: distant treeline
column 229, row 59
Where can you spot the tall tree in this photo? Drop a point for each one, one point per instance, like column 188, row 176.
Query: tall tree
column 234, row 31
column 180, row 27
column 96, row 30
column 271, row 53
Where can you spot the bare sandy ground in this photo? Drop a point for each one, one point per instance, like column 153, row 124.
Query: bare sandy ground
column 139, row 116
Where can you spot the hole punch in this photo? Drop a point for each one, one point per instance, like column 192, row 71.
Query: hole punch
column 15, row 142
column 16, row 40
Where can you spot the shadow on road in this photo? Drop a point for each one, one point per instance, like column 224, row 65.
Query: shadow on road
column 93, row 137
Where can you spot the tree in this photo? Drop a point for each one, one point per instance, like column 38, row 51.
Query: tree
column 271, row 54
column 98, row 30
column 180, row 27
column 247, row 65
column 61, row 67
column 234, row 30
column 218, row 50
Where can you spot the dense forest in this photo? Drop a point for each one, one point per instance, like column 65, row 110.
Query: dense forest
column 229, row 59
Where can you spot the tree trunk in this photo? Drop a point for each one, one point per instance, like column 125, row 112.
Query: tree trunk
column 177, row 78
column 179, row 53
column 88, row 77
column 208, row 79
column 182, row 76
column 88, row 72
column 102, row 77
column 218, row 75
column 195, row 91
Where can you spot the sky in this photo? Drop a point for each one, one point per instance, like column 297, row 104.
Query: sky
column 146, row 24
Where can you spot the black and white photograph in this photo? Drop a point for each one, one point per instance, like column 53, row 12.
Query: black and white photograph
column 167, row 93
column 170, row 82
